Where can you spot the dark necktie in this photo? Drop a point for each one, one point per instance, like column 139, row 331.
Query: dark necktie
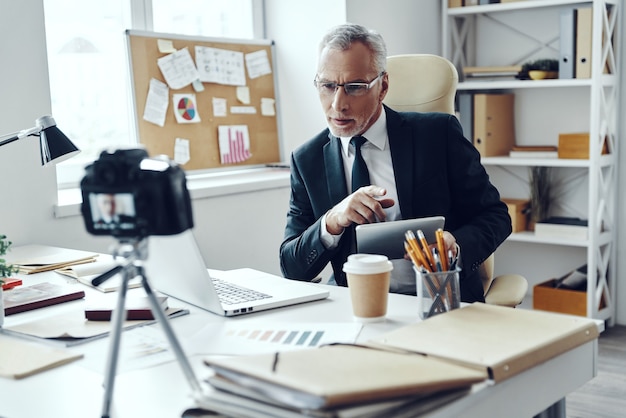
column 360, row 174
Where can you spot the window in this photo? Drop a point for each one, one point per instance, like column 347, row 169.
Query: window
column 88, row 67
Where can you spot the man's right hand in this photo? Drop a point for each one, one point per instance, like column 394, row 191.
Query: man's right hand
column 361, row 207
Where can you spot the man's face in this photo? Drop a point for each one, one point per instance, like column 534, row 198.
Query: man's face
column 349, row 115
column 107, row 204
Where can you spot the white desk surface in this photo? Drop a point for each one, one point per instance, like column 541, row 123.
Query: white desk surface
column 76, row 390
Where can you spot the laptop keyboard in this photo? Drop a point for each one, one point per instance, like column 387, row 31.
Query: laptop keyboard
column 231, row 294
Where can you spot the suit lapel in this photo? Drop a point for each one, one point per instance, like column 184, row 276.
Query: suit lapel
column 402, row 146
column 335, row 176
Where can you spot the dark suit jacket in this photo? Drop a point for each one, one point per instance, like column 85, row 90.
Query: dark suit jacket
column 437, row 172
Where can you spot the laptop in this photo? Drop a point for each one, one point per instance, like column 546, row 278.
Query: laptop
column 176, row 268
column 387, row 238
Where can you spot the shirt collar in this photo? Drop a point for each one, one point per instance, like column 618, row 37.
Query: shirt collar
column 376, row 134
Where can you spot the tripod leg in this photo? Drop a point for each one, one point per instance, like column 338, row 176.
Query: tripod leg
column 118, row 317
column 169, row 332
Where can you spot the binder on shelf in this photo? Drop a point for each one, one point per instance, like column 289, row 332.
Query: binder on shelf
column 584, row 22
column 567, row 44
column 493, row 124
column 466, row 114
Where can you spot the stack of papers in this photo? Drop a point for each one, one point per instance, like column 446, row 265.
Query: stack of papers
column 32, row 259
column 333, row 378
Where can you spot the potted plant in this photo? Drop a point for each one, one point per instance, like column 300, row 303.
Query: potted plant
column 543, row 68
column 5, row 271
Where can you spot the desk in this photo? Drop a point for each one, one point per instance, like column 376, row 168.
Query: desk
column 75, row 390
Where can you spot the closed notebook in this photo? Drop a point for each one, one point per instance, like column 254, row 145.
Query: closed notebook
column 499, row 340
column 26, row 298
column 336, row 375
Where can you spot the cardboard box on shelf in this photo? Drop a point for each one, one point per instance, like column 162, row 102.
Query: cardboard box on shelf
column 518, row 211
column 576, row 146
column 548, row 297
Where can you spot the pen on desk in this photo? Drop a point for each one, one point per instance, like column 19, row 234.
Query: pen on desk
column 426, row 249
column 441, row 247
column 437, row 259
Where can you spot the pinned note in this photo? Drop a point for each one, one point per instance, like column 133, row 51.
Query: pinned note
column 185, row 108
column 165, row 46
column 258, row 64
column 156, row 102
column 220, row 66
column 181, row 151
column 234, row 143
column 267, row 106
column 243, row 94
column 178, row 69
column 219, row 107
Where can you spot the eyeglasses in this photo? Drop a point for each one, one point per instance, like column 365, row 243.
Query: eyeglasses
column 327, row 88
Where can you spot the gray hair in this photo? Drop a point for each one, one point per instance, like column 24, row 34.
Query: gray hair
column 342, row 36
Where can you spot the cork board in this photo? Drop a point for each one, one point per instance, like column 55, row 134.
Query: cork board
column 201, row 139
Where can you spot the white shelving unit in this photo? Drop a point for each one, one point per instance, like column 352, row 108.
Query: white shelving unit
column 512, row 33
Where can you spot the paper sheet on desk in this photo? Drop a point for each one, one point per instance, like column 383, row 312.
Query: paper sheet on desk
column 258, row 337
column 20, row 358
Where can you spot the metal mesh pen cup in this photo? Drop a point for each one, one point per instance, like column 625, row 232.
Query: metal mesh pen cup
column 437, row 292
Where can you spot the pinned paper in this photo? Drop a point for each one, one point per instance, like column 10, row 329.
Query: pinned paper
column 243, row 94
column 234, row 143
column 219, row 107
column 258, row 64
column 165, row 46
column 197, row 86
column 220, row 66
column 185, row 108
column 181, row 151
column 178, row 69
column 243, row 110
column 156, row 102
column 267, row 107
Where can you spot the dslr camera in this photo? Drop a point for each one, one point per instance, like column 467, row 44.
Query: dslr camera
column 127, row 194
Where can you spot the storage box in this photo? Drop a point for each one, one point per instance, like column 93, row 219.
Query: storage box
column 518, row 210
column 576, row 146
column 547, row 297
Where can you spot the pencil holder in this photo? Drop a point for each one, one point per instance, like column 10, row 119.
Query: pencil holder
column 437, row 292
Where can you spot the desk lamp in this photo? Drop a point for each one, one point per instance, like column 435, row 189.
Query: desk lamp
column 54, row 145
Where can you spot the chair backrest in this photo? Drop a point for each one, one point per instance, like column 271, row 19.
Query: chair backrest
column 427, row 83
column 421, row 83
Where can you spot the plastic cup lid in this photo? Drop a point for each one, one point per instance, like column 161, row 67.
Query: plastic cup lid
column 367, row 264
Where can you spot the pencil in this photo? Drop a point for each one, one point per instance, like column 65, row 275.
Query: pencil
column 426, row 249
column 441, row 247
column 410, row 238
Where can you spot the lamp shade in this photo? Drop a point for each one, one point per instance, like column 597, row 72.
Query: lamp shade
column 55, row 146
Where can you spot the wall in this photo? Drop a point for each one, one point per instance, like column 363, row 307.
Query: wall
column 234, row 230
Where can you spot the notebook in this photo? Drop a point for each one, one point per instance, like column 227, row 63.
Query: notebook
column 176, row 268
column 387, row 238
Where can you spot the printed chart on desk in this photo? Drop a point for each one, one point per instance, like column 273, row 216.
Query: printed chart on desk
column 256, row 337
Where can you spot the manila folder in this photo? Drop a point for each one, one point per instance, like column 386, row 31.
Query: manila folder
column 501, row 340
column 337, row 375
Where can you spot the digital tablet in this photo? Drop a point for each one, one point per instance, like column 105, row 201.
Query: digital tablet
column 387, row 238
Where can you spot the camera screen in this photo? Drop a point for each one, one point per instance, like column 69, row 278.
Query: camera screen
column 111, row 211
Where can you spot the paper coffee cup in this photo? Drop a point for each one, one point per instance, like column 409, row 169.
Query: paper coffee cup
column 368, row 280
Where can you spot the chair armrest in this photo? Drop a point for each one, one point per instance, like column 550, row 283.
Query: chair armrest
column 507, row 290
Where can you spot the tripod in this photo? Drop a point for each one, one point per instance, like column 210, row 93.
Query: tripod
column 135, row 251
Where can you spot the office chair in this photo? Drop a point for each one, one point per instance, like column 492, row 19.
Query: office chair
column 427, row 83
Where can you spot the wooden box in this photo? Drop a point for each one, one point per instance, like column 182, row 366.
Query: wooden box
column 547, row 297
column 576, row 146
column 518, row 210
